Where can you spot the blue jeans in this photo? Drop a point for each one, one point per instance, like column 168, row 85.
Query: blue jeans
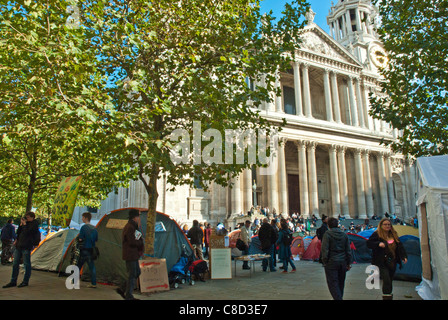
column 336, row 279
column 18, row 255
column 133, row 268
column 286, row 262
column 270, row 260
column 86, row 256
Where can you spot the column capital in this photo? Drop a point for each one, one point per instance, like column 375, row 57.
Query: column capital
column 282, row 141
column 333, row 147
column 342, row 149
column 300, row 143
column 311, row 145
column 305, row 65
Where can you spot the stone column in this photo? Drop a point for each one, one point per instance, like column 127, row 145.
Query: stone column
column 343, row 183
column 283, row 178
column 327, row 91
column 369, row 120
column 236, row 196
column 272, row 186
column 247, row 192
column 314, row 196
column 278, row 99
column 383, row 184
column 298, row 89
column 303, row 179
column 335, row 92
column 348, row 23
column 360, row 185
column 358, row 20
column 306, row 91
column 361, row 117
column 334, row 177
column 353, row 108
column 368, row 184
column 390, row 184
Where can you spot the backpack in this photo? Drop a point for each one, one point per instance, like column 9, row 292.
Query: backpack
column 287, row 238
column 198, row 268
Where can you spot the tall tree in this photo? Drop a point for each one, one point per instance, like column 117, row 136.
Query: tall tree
column 414, row 95
column 53, row 113
column 174, row 62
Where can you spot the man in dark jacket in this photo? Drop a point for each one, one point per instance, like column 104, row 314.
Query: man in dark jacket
column 336, row 258
column 8, row 237
column 132, row 250
column 28, row 237
column 267, row 237
column 195, row 234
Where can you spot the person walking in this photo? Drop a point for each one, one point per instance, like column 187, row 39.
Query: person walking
column 28, row 237
column 387, row 252
column 284, row 241
column 267, row 238
column 132, row 250
column 8, row 238
column 87, row 238
column 336, row 258
column 207, row 235
column 195, row 235
column 245, row 237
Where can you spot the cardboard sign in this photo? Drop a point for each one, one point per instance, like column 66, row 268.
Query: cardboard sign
column 217, row 241
column 154, row 275
column 116, row 223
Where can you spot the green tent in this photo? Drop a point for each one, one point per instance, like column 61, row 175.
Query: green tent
column 170, row 242
column 49, row 254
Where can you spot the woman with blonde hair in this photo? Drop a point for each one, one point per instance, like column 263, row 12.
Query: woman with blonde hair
column 387, row 252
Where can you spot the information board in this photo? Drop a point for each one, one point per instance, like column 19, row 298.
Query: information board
column 220, row 263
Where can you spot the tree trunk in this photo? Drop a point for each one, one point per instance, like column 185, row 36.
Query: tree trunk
column 31, row 189
column 151, row 189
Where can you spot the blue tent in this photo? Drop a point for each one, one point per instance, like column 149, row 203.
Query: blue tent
column 367, row 233
column 412, row 270
column 358, row 245
column 255, row 246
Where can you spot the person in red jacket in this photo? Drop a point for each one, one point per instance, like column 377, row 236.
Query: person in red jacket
column 132, row 250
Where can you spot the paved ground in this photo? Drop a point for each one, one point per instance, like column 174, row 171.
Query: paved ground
column 308, row 283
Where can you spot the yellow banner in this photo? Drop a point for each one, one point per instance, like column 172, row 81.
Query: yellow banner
column 65, row 199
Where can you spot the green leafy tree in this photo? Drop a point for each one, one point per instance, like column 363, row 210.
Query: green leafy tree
column 414, row 93
column 53, row 112
column 173, row 62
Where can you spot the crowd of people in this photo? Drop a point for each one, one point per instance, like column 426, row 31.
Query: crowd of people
column 274, row 233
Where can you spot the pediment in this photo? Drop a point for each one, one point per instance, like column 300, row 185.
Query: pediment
column 317, row 41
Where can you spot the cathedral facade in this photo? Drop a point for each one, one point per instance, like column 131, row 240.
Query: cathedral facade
column 330, row 157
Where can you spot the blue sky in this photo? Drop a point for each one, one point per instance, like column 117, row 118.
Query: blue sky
column 321, row 7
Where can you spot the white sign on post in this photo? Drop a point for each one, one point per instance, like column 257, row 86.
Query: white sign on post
column 220, row 263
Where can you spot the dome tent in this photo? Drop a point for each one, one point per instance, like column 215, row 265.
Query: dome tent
column 170, row 242
column 412, row 270
column 49, row 254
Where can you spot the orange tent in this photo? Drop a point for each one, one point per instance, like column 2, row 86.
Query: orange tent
column 298, row 246
column 313, row 250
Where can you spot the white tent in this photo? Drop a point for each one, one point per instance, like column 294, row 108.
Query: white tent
column 432, row 203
